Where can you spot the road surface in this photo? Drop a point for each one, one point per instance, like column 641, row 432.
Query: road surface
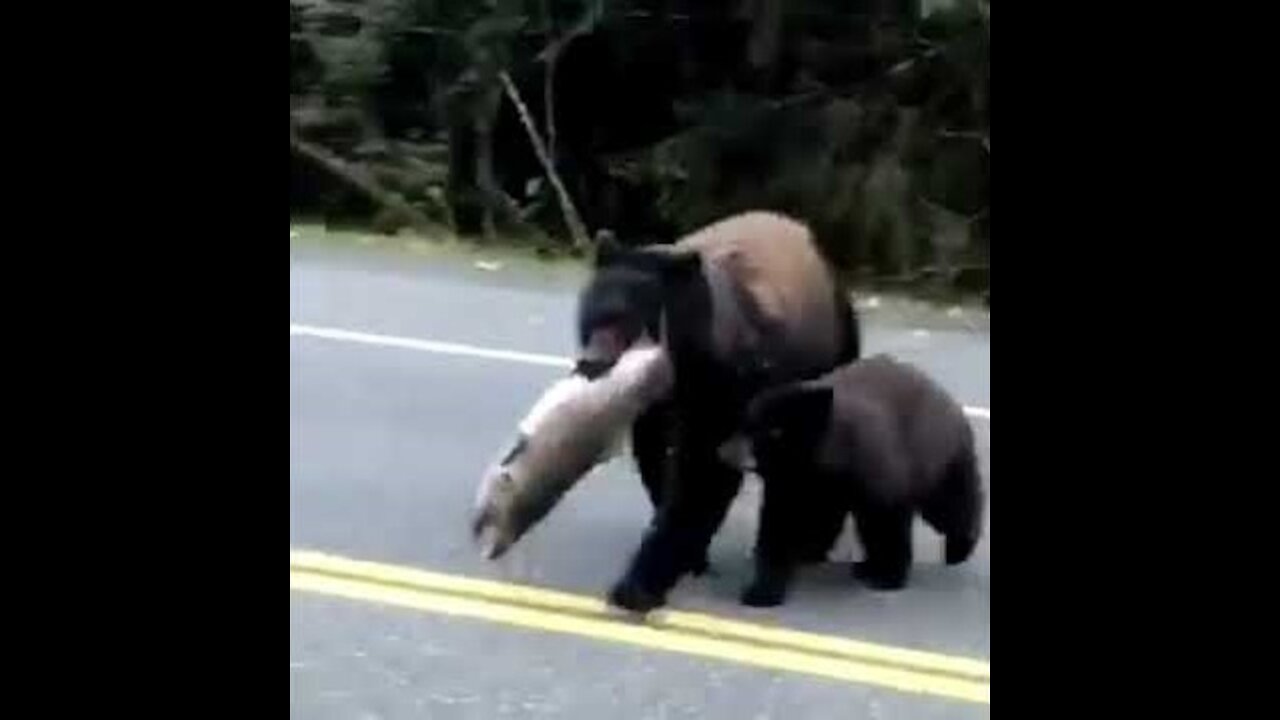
column 386, row 445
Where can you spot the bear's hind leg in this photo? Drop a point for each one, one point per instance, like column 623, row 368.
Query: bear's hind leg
column 956, row 508
column 885, row 533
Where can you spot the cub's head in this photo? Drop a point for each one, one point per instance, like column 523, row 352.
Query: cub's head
column 623, row 301
column 783, row 429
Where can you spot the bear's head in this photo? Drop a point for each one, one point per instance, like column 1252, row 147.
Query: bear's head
column 624, row 300
column 784, row 428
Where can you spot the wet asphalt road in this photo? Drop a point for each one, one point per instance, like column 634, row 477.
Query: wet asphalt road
column 386, row 445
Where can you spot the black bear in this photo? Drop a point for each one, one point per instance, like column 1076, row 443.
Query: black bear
column 877, row 439
column 741, row 305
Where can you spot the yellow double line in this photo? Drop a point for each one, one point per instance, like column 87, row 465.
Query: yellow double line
column 774, row 648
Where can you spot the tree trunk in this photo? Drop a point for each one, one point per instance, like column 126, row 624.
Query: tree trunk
column 485, row 179
column 498, row 207
column 548, row 82
column 765, row 40
column 571, row 217
column 548, row 101
column 356, row 178
column 766, row 32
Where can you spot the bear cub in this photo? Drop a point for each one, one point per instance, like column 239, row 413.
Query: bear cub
column 877, row 439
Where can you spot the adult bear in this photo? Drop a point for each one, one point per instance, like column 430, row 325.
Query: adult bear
column 742, row 305
column 877, row 439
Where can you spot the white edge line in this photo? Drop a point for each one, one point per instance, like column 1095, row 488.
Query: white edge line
column 429, row 346
column 447, row 348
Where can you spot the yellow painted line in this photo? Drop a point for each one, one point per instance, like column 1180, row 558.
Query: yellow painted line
column 690, row 633
column 680, row 620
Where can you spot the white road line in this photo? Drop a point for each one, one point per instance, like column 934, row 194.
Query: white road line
column 429, row 346
column 447, row 348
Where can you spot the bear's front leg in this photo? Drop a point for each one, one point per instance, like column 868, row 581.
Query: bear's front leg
column 700, row 494
column 784, row 539
column 769, row 584
column 653, row 445
column 652, row 441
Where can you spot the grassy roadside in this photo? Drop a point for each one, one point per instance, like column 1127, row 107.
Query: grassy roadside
column 515, row 259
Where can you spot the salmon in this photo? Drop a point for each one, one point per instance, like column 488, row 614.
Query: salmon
column 575, row 426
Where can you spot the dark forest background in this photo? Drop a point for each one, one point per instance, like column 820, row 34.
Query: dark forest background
column 547, row 121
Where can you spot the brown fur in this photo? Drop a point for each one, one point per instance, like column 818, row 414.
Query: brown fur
column 765, row 269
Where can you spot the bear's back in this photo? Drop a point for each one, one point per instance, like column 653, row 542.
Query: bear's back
column 893, row 423
column 773, row 257
column 773, row 293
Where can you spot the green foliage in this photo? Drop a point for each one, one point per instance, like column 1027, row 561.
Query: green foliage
column 872, row 121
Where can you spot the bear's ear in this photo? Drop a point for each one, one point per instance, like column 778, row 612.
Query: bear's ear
column 661, row 259
column 672, row 264
column 678, row 266
column 608, row 251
